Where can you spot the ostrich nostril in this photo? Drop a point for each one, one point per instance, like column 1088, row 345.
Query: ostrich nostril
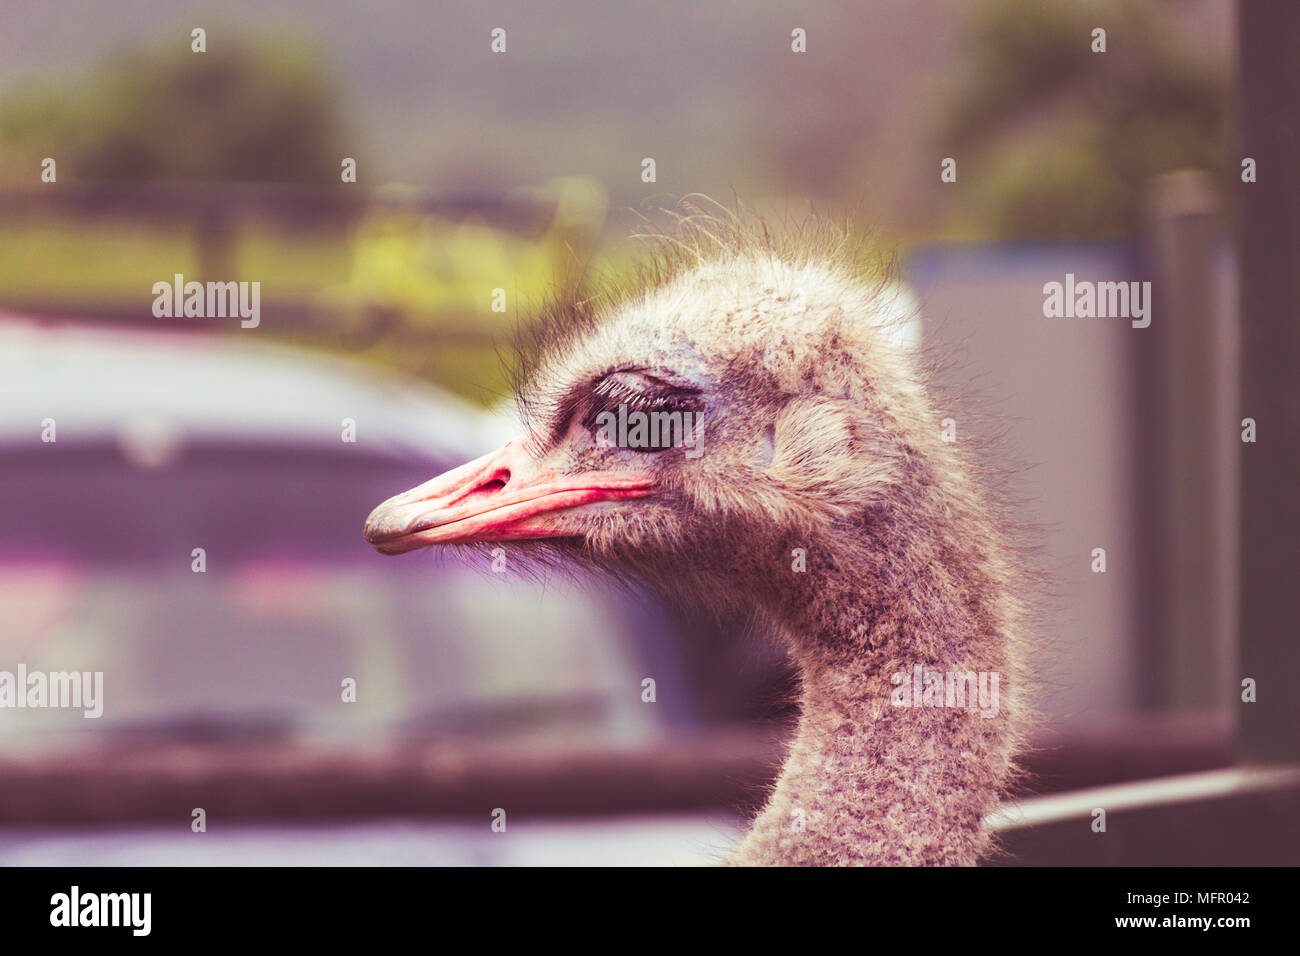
column 494, row 484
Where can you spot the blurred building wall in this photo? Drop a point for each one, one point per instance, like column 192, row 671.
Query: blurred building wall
column 1069, row 400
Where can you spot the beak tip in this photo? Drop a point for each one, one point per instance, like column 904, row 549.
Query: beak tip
column 377, row 531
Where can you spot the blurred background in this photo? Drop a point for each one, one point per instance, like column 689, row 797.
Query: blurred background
column 479, row 174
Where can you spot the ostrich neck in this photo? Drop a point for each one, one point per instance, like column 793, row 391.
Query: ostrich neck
column 868, row 780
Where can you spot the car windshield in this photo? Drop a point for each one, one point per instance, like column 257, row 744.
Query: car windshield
column 97, row 573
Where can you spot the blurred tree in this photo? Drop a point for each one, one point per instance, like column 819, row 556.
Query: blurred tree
column 1053, row 139
column 243, row 111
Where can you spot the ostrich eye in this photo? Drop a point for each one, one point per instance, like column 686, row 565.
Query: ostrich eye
column 637, row 411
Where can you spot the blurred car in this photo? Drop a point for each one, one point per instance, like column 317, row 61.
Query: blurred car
column 183, row 513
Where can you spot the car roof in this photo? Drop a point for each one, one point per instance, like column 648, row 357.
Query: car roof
column 100, row 383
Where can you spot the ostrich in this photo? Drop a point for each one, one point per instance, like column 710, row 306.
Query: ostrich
column 825, row 501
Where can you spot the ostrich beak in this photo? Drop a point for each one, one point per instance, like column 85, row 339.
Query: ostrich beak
column 503, row 496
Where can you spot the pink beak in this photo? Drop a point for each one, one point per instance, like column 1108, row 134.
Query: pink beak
column 502, row 496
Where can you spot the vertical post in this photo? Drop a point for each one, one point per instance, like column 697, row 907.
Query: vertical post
column 1193, row 333
column 1269, row 730
column 215, row 239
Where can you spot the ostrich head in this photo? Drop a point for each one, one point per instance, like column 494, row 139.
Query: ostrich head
column 764, row 398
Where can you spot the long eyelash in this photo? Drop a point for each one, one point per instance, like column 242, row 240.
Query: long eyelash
column 609, row 394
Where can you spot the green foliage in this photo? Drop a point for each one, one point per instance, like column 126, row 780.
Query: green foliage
column 1055, row 140
column 243, row 111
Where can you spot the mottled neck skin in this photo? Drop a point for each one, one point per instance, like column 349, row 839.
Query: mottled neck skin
column 868, row 782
